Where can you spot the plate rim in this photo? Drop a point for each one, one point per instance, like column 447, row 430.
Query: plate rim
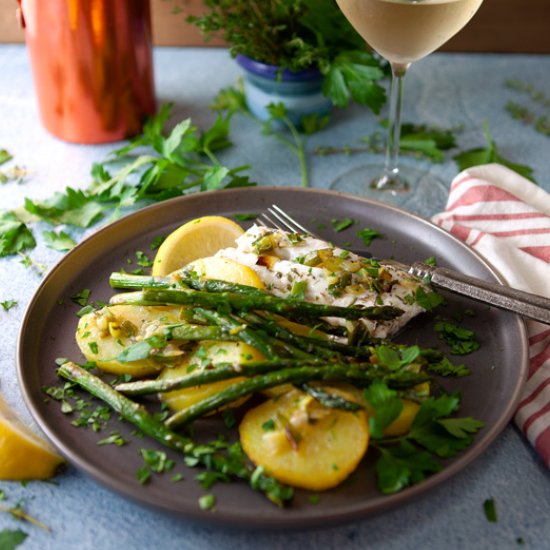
column 381, row 503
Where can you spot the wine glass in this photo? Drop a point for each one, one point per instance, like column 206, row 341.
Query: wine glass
column 401, row 31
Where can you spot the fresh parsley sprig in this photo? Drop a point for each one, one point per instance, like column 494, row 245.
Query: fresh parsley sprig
column 489, row 154
column 279, row 125
column 418, row 140
column 153, row 167
column 434, row 434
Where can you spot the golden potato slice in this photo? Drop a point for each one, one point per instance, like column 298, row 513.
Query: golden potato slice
column 207, row 353
column 223, row 269
column 302, row 443
column 402, row 424
column 102, row 335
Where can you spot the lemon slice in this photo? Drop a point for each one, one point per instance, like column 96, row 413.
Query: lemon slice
column 227, row 270
column 196, row 239
column 23, row 455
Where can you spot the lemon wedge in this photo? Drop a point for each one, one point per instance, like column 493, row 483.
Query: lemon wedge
column 227, row 270
column 23, row 455
column 195, row 239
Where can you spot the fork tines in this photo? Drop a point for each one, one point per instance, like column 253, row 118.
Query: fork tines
column 277, row 218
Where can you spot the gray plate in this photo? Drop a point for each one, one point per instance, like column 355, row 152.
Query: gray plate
column 47, row 332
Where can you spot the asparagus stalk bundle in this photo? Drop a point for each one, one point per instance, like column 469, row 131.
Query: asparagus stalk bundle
column 220, row 311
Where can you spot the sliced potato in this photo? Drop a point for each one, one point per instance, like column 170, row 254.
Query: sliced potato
column 223, row 269
column 402, row 424
column 300, row 442
column 102, row 335
column 207, row 353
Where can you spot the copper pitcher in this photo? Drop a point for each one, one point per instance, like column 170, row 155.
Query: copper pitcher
column 92, row 66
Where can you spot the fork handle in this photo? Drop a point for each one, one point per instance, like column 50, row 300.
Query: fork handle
column 501, row 296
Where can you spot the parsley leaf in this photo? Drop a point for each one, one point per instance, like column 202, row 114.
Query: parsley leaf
column 15, row 236
column 428, row 300
column 430, row 431
column 395, row 359
column 8, row 304
column 402, row 465
column 409, row 458
column 74, row 207
column 5, row 156
column 387, row 407
column 58, row 241
column 352, row 75
column 490, row 154
column 11, row 538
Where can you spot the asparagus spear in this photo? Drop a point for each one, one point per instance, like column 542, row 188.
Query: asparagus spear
column 221, row 371
column 137, row 415
column 307, row 346
column 244, row 302
column 231, row 325
column 298, row 375
column 119, row 279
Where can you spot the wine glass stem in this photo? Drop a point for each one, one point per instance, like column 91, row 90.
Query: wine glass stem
column 394, row 124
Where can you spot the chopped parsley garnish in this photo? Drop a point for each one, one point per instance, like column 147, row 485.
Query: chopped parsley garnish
column 81, row 298
column 245, row 217
column 446, row 368
column 155, row 462
column 489, row 507
column 207, row 502
column 268, row 425
column 299, row 290
column 114, row 439
column 157, row 241
column 340, row 225
column 462, row 341
column 8, row 304
column 142, row 259
column 367, row 235
column 428, row 300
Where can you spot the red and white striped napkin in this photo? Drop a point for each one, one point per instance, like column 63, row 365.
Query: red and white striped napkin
column 506, row 218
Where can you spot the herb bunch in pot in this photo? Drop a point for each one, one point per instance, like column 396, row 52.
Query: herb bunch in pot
column 302, row 53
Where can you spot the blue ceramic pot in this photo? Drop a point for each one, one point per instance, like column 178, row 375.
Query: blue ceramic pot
column 300, row 92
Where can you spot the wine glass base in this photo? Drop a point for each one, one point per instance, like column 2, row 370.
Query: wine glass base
column 414, row 190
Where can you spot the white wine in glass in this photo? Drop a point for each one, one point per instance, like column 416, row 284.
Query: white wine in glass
column 401, row 31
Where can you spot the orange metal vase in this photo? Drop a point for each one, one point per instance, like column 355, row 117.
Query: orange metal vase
column 92, row 66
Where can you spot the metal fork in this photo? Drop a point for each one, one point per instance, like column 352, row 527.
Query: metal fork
column 503, row 297
column 277, row 218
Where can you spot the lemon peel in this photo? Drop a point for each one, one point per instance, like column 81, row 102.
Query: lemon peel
column 195, row 239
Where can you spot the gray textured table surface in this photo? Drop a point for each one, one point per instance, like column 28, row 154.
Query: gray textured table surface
column 447, row 90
